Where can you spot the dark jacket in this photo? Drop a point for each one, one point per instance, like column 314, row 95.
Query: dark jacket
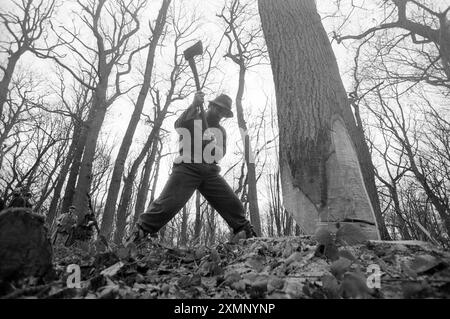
column 190, row 119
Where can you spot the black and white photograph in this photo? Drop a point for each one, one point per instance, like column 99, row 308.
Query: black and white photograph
column 224, row 158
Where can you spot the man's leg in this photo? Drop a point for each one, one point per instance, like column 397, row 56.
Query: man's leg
column 182, row 183
column 222, row 198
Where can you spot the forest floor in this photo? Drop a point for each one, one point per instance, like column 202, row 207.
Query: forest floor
column 284, row 267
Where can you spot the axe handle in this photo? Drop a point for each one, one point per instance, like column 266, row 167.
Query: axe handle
column 197, row 85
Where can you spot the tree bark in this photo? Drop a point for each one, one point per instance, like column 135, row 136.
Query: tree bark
column 128, row 183
column 144, row 186
column 63, row 174
column 198, row 218
column 248, row 155
column 116, row 179
column 7, row 77
column 126, row 196
column 184, row 224
column 321, row 176
column 69, row 191
column 123, row 210
column 93, row 130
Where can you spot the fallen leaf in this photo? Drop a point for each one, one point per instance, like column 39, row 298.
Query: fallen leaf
column 239, row 285
column 339, row 267
column 256, row 262
column 165, row 288
column 123, row 253
column 424, row 263
column 354, row 286
column 413, row 290
column 258, row 288
column 250, row 277
column 214, row 255
column 232, row 277
column 408, row 271
column 275, row 283
column 200, row 253
column 109, row 292
column 288, row 250
column 189, row 281
column 296, row 256
column 347, row 254
column 113, row 270
column 331, row 286
column 294, row 288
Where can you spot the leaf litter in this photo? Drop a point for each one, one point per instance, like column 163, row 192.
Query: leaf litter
column 311, row 267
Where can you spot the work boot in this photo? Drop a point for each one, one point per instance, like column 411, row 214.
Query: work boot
column 245, row 233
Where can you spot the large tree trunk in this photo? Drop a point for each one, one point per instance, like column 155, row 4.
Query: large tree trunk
column 126, row 193
column 125, row 199
column 116, row 179
column 25, row 248
column 7, row 77
column 124, row 209
column 144, row 186
column 99, row 106
column 321, row 175
column 74, row 169
column 127, row 188
column 155, row 180
column 63, row 174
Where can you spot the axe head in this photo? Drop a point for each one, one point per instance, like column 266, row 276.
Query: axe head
column 191, row 52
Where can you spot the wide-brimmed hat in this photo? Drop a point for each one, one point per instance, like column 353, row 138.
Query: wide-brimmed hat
column 224, row 101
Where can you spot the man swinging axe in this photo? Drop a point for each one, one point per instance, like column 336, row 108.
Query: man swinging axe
column 203, row 144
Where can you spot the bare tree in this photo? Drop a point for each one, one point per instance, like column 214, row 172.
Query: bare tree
column 416, row 40
column 246, row 49
column 429, row 171
column 23, row 26
column 73, row 108
column 110, row 205
column 111, row 53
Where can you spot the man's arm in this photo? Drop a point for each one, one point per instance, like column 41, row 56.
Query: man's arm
column 191, row 112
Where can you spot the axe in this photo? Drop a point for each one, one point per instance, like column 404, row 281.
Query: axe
column 189, row 54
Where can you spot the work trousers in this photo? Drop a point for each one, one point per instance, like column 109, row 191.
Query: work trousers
column 183, row 181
